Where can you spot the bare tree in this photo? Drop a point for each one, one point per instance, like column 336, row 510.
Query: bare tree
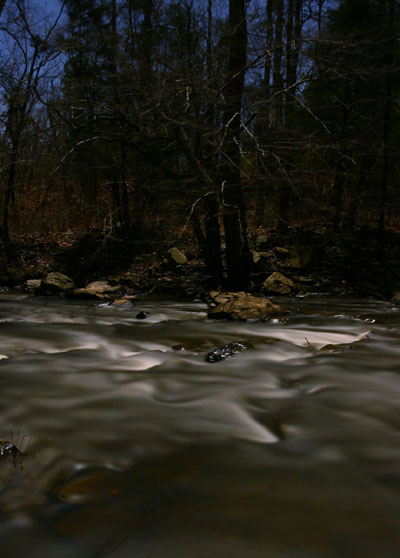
column 237, row 250
column 27, row 55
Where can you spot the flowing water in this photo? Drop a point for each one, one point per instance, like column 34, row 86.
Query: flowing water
column 137, row 447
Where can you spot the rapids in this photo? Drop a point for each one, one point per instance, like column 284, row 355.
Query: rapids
column 137, row 447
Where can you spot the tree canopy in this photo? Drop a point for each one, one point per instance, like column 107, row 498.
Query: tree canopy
column 123, row 115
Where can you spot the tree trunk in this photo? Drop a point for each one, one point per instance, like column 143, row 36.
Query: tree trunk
column 293, row 39
column 237, row 250
column 341, row 156
column 213, row 257
column 277, row 66
column 386, row 121
column 338, row 188
column 8, row 197
column 268, row 54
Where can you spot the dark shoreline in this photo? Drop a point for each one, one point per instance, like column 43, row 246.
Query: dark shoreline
column 346, row 264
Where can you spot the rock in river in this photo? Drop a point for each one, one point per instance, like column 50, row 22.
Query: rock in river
column 101, row 287
column 243, row 306
column 230, row 349
column 97, row 290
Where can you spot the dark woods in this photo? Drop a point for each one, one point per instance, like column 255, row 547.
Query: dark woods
column 148, row 120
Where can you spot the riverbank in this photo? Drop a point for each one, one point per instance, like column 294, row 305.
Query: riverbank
column 352, row 264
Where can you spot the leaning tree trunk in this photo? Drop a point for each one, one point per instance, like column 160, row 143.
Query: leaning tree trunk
column 237, row 250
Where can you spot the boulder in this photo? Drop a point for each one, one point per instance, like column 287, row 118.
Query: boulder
column 176, row 256
column 277, row 283
column 97, row 290
column 243, row 306
column 56, row 283
column 101, row 287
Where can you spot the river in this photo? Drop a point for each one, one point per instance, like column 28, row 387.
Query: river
column 137, row 447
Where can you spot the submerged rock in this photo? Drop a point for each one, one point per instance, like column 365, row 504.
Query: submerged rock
column 88, row 486
column 230, row 349
column 277, row 283
column 243, row 306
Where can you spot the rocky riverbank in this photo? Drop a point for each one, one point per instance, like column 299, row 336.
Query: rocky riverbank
column 298, row 262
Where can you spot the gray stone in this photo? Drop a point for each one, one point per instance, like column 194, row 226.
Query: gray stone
column 243, row 306
column 277, row 283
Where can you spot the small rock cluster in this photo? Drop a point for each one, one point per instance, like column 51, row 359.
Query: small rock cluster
column 58, row 284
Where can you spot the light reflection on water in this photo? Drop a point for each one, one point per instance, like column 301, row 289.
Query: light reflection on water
column 141, row 448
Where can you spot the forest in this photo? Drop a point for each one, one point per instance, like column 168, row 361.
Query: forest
column 132, row 126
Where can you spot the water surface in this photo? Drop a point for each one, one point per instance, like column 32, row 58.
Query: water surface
column 140, row 448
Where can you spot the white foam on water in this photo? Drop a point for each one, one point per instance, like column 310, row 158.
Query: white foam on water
column 307, row 338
